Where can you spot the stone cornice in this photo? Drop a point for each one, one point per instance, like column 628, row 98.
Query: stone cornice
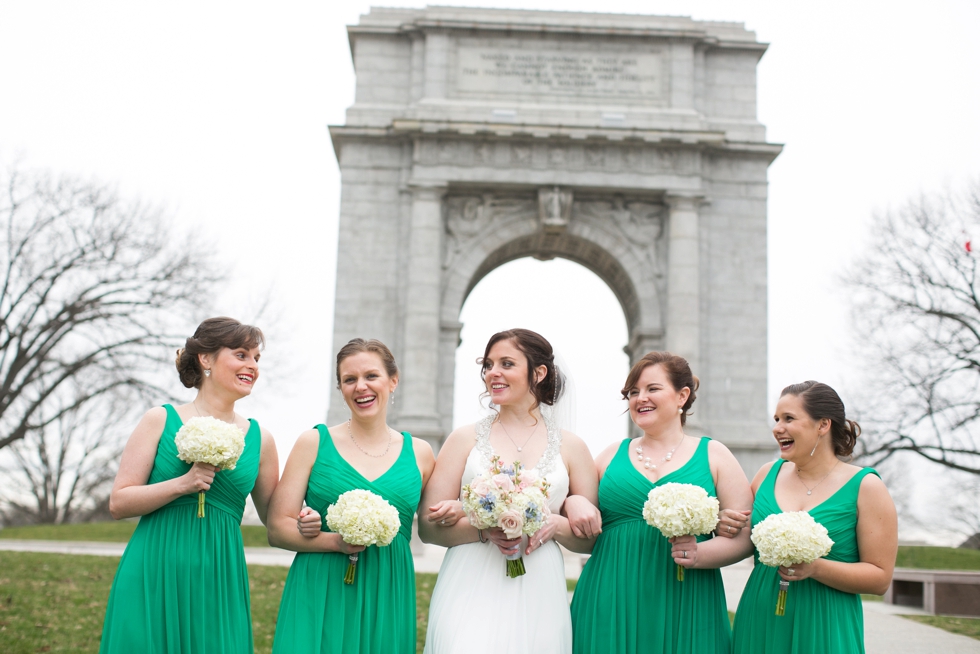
column 708, row 141
column 710, row 34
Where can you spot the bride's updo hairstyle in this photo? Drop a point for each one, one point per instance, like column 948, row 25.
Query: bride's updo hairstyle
column 358, row 345
column 821, row 401
column 209, row 337
column 678, row 372
column 538, row 352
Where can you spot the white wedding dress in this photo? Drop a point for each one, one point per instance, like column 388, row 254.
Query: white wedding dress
column 476, row 607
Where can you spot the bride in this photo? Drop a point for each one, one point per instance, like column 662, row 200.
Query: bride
column 475, row 606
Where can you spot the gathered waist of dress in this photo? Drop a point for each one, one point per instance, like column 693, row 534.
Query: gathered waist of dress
column 211, row 504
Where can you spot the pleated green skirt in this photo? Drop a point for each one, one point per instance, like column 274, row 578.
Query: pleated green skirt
column 320, row 613
column 181, row 586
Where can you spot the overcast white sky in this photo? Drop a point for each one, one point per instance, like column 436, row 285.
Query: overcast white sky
column 219, row 111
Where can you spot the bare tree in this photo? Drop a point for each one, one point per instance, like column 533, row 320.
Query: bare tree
column 63, row 472
column 94, row 293
column 917, row 314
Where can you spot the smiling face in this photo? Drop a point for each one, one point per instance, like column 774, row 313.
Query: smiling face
column 505, row 373
column 233, row 370
column 795, row 431
column 654, row 403
column 365, row 384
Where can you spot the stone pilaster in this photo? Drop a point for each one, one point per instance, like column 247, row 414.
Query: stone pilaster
column 419, row 412
column 683, row 280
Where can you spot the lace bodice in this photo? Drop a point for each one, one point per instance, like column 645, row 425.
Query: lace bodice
column 550, row 465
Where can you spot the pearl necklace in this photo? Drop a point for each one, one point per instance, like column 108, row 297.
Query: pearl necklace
column 648, row 463
column 373, row 456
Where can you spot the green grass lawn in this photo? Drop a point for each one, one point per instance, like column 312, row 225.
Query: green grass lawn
column 963, row 626
column 937, row 558
column 109, row 532
column 56, row 603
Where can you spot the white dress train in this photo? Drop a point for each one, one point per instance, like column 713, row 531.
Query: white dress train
column 476, row 608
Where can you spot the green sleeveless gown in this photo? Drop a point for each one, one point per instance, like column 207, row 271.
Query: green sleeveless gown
column 818, row 619
column 628, row 598
column 319, row 612
column 182, row 586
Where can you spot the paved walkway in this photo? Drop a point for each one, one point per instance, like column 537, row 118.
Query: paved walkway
column 885, row 632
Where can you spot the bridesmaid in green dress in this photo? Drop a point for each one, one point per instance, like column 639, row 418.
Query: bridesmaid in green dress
column 628, row 598
column 181, row 586
column 823, row 603
column 319, row 612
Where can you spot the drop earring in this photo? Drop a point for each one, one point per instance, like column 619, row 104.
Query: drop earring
column 207, row 372
column 391, row 398
column 815, row 447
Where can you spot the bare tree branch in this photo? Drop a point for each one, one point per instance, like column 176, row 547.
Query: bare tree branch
column 94, row 296
column 917, row 312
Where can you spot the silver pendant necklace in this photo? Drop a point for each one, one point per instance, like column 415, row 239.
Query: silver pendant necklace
column 507, row 433
column 809, row 490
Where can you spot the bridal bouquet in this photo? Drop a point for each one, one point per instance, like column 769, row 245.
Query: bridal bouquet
column 509, row 497
column 788, row 539
column 681, row 510
column 206, row 439
column 362, row 518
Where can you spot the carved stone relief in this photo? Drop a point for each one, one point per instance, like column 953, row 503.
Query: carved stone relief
column 554, row 209
column 466, row 216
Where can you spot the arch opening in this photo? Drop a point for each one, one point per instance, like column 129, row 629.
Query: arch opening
column 573, row 307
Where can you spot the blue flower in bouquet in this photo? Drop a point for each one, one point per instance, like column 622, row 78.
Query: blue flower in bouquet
column 532, row 512
column 487, row 503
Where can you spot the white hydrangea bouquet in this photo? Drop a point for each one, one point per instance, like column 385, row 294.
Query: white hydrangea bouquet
column 681, row 510
column 362, row 518
column 509, row 497
column 206, row 439
column 788, row 539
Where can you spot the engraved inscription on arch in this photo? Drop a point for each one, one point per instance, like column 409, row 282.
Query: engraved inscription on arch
column 529, row 67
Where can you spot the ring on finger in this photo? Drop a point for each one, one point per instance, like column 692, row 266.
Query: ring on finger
column 442, row 522
column 685, row 554
column 791, row 572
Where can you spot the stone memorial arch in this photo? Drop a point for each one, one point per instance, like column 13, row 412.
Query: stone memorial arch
column 628, row 144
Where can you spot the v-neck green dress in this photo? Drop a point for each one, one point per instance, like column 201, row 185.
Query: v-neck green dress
column 628, row 598
column 182, row 585
column 818, row 618
column 319, row 612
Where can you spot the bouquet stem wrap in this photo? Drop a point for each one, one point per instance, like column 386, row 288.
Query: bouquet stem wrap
column 781, row 598
column 351, row 568
column 515, row 563
column 200, row 504
column 680, row 573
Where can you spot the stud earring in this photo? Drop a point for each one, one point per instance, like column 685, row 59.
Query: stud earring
column 207, row 372
column 680, row 409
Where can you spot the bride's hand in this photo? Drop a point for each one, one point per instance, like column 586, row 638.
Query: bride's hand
column 584, row 518
column 543, row 535
column 507, row 546
column 445, row 513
